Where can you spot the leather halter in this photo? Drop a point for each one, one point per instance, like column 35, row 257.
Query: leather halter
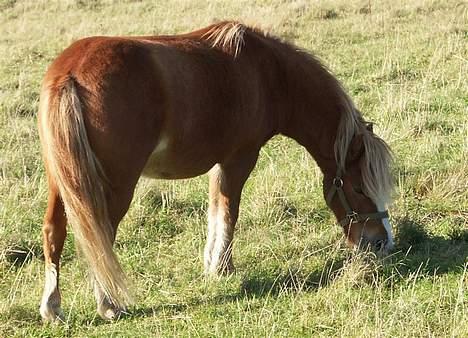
column 351, row 215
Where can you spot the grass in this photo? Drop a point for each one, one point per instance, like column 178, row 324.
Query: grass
column 404, row 63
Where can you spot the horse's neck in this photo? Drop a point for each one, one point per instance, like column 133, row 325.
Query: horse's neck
column 314, row 108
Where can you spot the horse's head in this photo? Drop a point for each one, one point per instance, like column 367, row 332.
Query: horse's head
column 358, row 195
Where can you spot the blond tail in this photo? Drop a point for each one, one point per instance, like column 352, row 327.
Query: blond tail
column 82, row 186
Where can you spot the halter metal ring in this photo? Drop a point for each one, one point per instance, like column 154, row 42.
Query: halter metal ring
column 338, row 182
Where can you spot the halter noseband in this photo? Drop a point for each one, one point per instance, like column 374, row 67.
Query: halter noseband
column 351, row 215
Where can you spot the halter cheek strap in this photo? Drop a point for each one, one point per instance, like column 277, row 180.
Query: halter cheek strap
column 351, row 215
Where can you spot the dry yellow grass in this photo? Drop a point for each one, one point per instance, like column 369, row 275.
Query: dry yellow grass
column 404, row 63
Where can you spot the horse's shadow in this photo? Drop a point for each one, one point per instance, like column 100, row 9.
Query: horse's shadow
column 415, row 250
column 431, row 255
column 256, row 284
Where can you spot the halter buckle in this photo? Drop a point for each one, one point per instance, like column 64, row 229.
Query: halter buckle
column 352, row 217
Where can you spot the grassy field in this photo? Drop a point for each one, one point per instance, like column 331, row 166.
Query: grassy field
column 405, row 64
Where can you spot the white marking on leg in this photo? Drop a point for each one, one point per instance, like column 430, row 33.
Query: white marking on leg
column 388, row 228
column 210, row 237
column 50, row 305
column 221, row 254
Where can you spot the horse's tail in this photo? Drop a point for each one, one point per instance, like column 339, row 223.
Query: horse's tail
column 82, row 185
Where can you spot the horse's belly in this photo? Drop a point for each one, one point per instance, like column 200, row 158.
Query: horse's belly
column 168, row 161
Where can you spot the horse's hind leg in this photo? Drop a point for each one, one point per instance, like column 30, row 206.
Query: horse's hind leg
column 118, row 203
column 226, row 183
column 54, row 233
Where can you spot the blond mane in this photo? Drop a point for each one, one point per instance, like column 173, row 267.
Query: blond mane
column 376, row 164
column 227, row 36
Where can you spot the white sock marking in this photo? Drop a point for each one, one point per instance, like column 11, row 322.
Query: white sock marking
column 210, row 239
column 50, row 303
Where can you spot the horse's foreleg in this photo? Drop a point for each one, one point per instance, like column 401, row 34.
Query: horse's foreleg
column 214, row 185
column 54, row 233
column 226, row 183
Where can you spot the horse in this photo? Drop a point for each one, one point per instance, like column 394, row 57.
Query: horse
column 113, row 109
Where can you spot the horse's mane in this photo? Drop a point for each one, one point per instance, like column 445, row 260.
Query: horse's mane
column 227, row 36
column 375, row 166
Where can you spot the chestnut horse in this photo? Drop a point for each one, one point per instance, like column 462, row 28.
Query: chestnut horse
column 171, row 107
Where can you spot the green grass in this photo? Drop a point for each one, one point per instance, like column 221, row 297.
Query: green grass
column 404, row 63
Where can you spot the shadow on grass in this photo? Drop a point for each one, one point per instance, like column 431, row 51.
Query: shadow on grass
column 415, row 250
column 434, row 255
column 171, row 309
column 291, row 280
column 21, row 254
column 21, row 316
column 256, row 285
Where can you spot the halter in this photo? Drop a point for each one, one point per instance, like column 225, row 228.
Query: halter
column 351, row 215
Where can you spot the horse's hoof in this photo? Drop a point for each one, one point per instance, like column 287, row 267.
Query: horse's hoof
column 52, row 314
column 220, row 271
column 110, row 312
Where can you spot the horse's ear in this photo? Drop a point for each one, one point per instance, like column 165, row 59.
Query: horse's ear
column 356, row 148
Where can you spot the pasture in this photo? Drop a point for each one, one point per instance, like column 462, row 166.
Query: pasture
column 404, row 63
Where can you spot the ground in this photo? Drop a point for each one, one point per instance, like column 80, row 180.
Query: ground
column 405, row 65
